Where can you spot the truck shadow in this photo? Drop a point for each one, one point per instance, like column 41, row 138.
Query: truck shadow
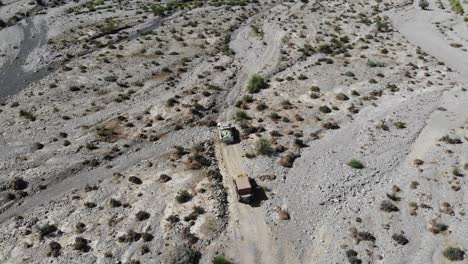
column 236, row 135
column 259, row 195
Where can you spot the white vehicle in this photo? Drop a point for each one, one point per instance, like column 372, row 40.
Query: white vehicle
column 226, row 134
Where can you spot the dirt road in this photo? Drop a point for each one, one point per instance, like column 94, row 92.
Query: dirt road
column 251, row 234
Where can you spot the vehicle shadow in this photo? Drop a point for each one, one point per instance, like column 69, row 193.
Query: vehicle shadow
column 259, row 194
column 236, row 135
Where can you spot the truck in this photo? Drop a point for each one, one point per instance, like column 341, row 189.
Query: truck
column 226, row 133
column 244, row 189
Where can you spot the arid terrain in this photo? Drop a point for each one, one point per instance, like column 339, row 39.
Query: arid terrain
column 352, row 123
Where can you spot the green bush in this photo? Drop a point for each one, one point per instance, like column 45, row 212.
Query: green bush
column 182, row 254
column 400, row 239
column 183, row 196
column 241, row 115
column 424, row 4
column 27, row 115
column 356, row 164
column 388, row 207
column 220, row 260
column 454, row 254
column 263, row 147
column 400, row 125
column 457, row 6
column 256, row 83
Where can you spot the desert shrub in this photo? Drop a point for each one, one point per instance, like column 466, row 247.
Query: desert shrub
column 330, row 125
column 314, row 95
column 400, row 239
column 341, row 97
column 171, row 102
column 142, row 215
column 263, row 147
column 91, row 146
column 197, row 210
column 275, row 116
column 80, row 227
column 182, row 254
column 454, row 254
column 19, row 184
column 134, row 180
column 256, row 83
column 424, row 4
column 81, row 244
column 287, row 161
column 393, row 197
column 220, row 260
column 47, row 230
column 447, row 139
column 164, row 178
column 324, row 109
column 173, row 219
column 437, row 228
column 400, row 125
column 382, row 24
column 349, row 74
column 130, row 237
column 365, row 236
column 183, row 196
column 457, row 172
column 374, row 64
column 388, row 206
column 110, row 78
column 114, row 203
column 27, row 115
column 261, row 106
column 457, row 6
column 456, row 45
column 356, row 164
column 315, row 89
column 54, row 249
column 147, row 237
column 241, row 115
column 352, row 257
column 90, row 204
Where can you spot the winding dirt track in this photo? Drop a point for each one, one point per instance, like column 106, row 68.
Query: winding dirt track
column 251, row 234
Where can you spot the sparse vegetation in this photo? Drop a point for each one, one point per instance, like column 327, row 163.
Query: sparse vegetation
column 356, row 164
column 241, row 115
column 182, row 254
column 220, row 260
column 457, row 6
column 423, row 4
column 263, row 147
column 142, row 215
column 400, row 239
column 256, row 83
column 400, row 125
column 454, row 254
column 183, row 196
column 388, row 206
column 352, row 257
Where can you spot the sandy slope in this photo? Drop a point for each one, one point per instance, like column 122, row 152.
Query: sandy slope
column 419, row 28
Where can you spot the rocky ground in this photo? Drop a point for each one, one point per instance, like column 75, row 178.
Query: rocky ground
column 352, row 118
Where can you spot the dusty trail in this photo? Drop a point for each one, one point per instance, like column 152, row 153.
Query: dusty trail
column 254, row 242
column 251, row 234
